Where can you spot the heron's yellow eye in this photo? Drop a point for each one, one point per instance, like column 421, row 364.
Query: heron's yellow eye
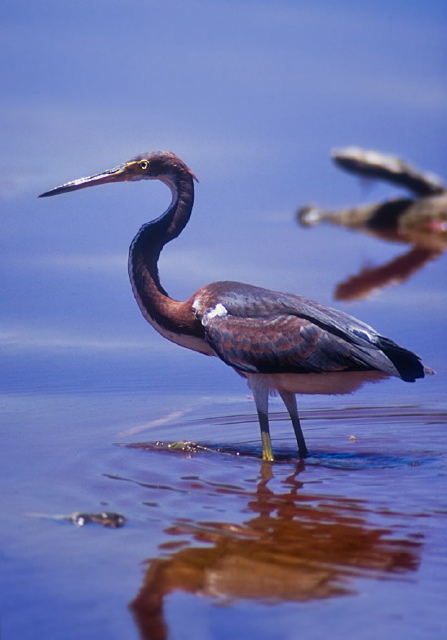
column 144, row 165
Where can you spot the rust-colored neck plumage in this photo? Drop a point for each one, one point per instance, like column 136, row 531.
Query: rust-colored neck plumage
column 168, row 316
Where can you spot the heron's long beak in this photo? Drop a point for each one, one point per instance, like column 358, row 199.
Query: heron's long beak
column 117, row 174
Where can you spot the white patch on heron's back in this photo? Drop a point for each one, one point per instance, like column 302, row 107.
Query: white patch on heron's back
column 219, row 311
column 197, row 305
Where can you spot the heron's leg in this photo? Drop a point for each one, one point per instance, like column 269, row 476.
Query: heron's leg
column 267, row 452
column 260, row 394
column 290, row 402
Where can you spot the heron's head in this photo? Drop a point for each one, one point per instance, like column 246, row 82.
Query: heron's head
column 157, row 165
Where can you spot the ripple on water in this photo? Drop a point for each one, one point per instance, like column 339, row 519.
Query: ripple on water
column 377, row 431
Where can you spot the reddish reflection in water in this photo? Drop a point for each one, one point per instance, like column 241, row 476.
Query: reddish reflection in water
column 294, row 546
column 396, row 271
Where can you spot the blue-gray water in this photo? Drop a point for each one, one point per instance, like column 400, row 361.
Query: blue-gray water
column 350, row 543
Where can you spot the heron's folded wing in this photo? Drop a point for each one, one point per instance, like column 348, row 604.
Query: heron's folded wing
column 287, row 344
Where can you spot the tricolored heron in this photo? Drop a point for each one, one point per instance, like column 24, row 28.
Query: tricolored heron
column 279, row 342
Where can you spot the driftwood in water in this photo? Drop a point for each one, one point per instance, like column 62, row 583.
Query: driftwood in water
column 420, row 221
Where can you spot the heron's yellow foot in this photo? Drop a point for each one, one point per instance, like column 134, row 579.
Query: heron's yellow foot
column 267, row 452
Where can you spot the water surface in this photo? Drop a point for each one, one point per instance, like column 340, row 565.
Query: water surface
column 215, row 543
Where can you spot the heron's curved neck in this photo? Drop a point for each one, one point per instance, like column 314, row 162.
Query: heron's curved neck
column 155, row 304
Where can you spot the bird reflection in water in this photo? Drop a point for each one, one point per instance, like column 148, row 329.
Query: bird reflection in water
column 294, row 547
column 420, row 221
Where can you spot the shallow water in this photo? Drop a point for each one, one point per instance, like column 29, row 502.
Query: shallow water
column 215, row 540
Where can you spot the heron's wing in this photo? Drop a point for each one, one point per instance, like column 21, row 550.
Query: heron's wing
column 287, row 344
column 260, row 331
